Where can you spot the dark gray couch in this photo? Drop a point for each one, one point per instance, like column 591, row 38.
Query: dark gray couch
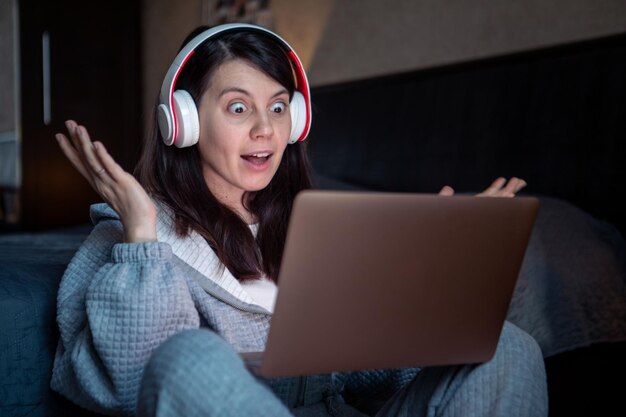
column 31, row 266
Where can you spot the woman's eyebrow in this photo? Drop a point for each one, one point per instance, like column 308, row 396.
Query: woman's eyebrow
column 281, row 92
column 245, row 92
column 234, row 90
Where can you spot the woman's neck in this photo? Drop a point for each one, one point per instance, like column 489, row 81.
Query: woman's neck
column 235, row 203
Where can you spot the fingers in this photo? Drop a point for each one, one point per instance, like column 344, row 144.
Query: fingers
column 495, row 186
column 514, row 185
column 109, row 166
column 70, row 153
column 84, row 144
column 87, row 157
column 446, row 191
column 503, row 188
column 500, row 187
column 511, row 187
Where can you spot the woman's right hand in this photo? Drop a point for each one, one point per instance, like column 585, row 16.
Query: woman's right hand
column 117, row 187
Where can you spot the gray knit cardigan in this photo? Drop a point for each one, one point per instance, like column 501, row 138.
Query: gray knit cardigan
column 118, row 301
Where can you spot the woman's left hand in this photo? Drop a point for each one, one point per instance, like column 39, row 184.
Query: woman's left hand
column 499, row 188
column 503, row 188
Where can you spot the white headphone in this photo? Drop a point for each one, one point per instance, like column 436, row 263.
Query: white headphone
column 177, row 114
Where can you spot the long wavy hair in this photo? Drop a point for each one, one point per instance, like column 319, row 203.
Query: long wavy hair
column 174, row 175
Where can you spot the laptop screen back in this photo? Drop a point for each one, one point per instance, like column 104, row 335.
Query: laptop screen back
column 385, row 280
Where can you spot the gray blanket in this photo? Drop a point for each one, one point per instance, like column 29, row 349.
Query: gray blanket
column 571, row 291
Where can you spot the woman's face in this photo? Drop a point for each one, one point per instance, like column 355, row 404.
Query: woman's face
column 244, row 129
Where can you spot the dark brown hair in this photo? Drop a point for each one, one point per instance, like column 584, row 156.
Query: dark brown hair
column 174, row 176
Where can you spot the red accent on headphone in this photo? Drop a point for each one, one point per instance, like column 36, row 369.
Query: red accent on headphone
column 174, row 121
column 301, row 81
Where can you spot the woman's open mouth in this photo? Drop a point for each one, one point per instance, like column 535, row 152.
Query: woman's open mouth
column 258, row 160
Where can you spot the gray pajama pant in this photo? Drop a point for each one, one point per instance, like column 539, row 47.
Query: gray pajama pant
column 196, row 373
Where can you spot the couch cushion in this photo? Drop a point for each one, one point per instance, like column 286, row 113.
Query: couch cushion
column 31, row 266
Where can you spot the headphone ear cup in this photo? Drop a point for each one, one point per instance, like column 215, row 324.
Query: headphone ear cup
column 165, row 124
column 297, row 108
column 187, row 119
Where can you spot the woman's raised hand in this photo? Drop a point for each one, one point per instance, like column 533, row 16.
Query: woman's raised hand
column 503, row 188
column 116, row 186
column 499, row 188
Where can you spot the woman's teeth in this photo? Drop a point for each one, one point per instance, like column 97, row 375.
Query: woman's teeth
column 256, row 158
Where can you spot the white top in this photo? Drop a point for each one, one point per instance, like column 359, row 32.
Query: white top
column 263, row 292
column 193, row 250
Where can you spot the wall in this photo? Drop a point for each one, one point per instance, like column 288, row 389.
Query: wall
column 9, row 168
column 10, row 173
column 302, row 24
column 164, row 26
column 343, row 40
column 371, row 37
column 553, row 117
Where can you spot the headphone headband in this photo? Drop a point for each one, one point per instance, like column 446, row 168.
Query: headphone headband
column 168, row 123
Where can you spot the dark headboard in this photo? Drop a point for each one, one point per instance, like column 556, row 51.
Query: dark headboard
column 555, row 117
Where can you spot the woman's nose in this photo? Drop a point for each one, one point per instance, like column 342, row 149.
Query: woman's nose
column 262, row 127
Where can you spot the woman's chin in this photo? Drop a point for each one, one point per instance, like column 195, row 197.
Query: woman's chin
column 257, row 186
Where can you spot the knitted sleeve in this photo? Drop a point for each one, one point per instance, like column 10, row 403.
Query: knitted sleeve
column 116, row 303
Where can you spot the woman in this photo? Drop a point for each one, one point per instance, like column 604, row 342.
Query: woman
column 179, row 272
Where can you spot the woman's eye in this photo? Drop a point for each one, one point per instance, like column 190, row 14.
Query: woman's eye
column 237, row 108
column 278, row 107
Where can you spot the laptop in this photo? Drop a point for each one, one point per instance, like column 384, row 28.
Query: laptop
column 374, row 280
